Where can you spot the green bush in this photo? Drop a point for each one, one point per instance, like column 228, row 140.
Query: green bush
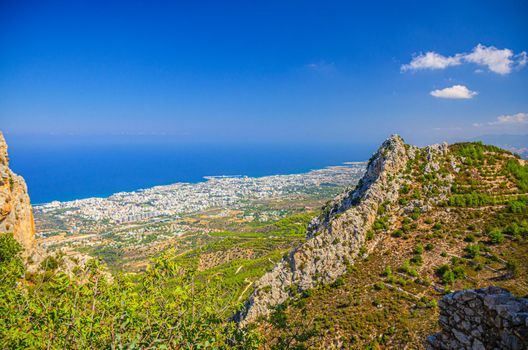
column 397, row 233
column 387, row 272
column 473, row 250
column 496, row 236
column 418, row 249
column 338, row 282
column 417, row 260
column 9, row 248
column 449, row 275
column 470, row 238
column 517, row 228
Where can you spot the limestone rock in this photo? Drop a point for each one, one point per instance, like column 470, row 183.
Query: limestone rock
column 16, row 215
column 335, row 238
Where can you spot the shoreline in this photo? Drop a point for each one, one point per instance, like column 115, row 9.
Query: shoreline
column 205, row 178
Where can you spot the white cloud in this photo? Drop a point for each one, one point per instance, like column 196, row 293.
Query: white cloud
column 500, row 61
column 431, row 60
column 454, row 92
column 519, row 118
column 507, row 120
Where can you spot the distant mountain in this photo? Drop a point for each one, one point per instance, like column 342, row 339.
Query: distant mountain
column 514, row 143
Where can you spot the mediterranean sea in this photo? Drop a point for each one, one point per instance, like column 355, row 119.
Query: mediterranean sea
column 66, row 168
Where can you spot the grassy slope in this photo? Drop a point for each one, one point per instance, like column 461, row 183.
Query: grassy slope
column 235, row 260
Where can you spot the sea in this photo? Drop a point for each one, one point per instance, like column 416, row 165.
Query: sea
column 68, row 168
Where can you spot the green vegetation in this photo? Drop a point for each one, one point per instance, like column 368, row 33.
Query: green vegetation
column 449, row 274
column 165, row 307
column 172, row 304
column 472, row 200
column 473, row 250
column 519, row 206
column 496, row 236
column 519, row 173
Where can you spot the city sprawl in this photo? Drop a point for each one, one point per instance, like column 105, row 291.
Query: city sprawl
column 139, row 220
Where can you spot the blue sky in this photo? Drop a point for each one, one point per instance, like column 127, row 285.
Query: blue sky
column 271, row 71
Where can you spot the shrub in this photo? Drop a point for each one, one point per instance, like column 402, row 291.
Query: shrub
column 417, row 260
column 9, row 248
column 459, row 272
column 513, row 267
column 387, row 272
column 496, row 236
column 406, row 268
column 449, row 275
column 418, row 249
column 517, row 229
column 381, row 224
column 379, row 286
column 397, row 233
column 518, row 206
column 470, row 238
column 50, row 263
column 473, row 250
column 338, row 282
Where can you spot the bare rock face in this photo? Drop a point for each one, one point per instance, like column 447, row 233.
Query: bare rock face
column 480, row 319
column 16, row 215
column 335, row 238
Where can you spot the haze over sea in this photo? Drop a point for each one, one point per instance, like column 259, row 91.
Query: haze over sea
column 70, row 167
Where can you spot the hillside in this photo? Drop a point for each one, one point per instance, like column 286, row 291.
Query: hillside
column 458, row 220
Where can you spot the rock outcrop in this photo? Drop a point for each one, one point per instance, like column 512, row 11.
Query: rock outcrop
column 16, row 215
column 335, row 238
column 489, row 318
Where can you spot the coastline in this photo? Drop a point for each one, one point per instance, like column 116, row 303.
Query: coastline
column 203, row 179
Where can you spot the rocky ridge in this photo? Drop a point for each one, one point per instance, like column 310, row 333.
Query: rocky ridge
column 16, row 215
column 335, row 238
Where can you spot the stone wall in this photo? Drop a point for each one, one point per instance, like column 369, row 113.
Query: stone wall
column 481, row 319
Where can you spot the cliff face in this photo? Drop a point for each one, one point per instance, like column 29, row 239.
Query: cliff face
column 335, row 238
column 16, row 215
